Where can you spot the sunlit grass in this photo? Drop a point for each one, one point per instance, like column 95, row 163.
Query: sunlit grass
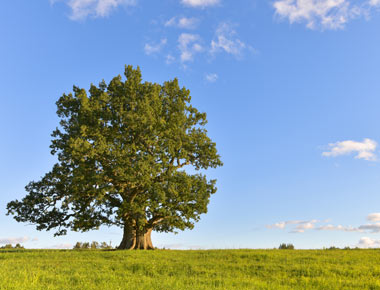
column 165, row 269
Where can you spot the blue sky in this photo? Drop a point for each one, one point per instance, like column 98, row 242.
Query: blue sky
column 291, row 89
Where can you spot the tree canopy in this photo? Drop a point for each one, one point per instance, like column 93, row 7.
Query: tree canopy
column 123, row 151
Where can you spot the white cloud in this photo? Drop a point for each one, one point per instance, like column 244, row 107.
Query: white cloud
column 81, row 9
column 155, row 48
column 171, row 22
column 279, row 225
column 189, row 23
column 301, row 226
column 183, row 22
column 200, row 3
column 225, row 40
column 366, row 242
column 170, row 59
column 364, row 150
column 369, row 228
column 324, row 14
column 305, row 226
column 211, row 78
column 282, row 225
column 189, row 44
column 374, row 3
column 338, row 228
column 14, row 240
column 374, row 217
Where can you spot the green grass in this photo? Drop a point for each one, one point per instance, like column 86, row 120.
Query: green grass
column 165, row 269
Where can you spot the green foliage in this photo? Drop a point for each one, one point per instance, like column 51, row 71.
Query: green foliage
column 105, row 246
column 93, row 246
column 77, row 246
column 9, row 246
column 286, row 247
column 333, row 248
column 165, row 269
column 123, row 150
column 85, row 245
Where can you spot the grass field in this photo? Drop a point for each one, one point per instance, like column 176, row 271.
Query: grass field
column 165, row 269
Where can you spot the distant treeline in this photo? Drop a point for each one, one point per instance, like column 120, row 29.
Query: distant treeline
column 284, row 246
column 9, row 246
column 92, row 246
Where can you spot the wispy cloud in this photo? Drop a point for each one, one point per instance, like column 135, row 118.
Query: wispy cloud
column 169, row 59
column 280, row 225
column 338, row 228
column 13, row 240
column 189, row 45
column 374, row 3
column 374, row 217
column 369, row 228
column 225, row 40
column 363, row 150
column 183, row 22
column 323, row 14
column 300, row 225
column 155, row 48
column 211, row 78
column 200, row 3
column 81, row 9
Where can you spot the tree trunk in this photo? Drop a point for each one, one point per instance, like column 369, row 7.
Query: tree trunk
column 133, row 240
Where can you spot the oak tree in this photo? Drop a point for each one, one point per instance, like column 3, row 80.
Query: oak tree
column 129, row 154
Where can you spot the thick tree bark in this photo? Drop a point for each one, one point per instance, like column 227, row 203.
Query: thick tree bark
column 133, row 240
